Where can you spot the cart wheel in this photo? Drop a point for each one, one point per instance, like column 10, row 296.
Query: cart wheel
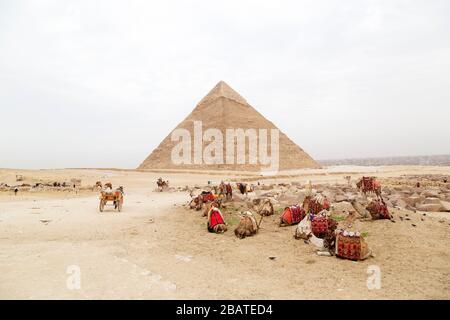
column 119, row 205
column 102, row 205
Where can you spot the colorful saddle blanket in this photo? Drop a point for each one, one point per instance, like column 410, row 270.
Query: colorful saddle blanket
column 320, row 225
column 378, row 210
column 351, row 246
column 293, row 215
column 215, row 218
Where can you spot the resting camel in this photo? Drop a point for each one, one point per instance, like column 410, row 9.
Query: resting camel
column 316, row 204
column 375, row 210
column 264, row 207
column 247, row 226
column 214, row 204
column 378, row 210
column 359, row 208
column 216, row 222
column 196, row 203
column 305, row 230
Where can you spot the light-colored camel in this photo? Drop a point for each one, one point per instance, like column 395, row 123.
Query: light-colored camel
column 263, row 207
column 247, row 226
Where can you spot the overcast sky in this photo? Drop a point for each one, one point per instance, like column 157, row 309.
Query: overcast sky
column 101, row 83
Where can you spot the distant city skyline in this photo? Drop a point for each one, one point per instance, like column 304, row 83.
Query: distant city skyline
column 99, row 84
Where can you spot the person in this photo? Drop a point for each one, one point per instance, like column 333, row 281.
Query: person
column 15, row 191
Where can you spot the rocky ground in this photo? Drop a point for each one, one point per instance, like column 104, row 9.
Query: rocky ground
column 158, row 248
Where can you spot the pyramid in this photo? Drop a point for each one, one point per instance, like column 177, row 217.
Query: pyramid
column 223, row 108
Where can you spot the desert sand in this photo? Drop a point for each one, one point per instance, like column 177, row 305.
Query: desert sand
column 157, row 249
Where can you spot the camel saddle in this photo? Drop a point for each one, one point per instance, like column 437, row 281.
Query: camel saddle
column 207, row 196
column 351, row 246
column 293, row 215
column 215, row 219
column 320, row 225
column 314, row 206
column 370, row 183
column 379, row 209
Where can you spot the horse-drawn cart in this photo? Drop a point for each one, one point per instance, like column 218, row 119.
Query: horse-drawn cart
column 116, row 197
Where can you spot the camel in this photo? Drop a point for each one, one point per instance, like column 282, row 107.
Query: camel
column 244, row 188
column 226, row 190
column 360, row 209
column 162, row 184
column 322, row 225
column 213, row 204
column 198, row 201
column 247, row 226
column 306, row 231
column 378, row 210
column 315, row 204
column 375, row 210
column 369, row 185
column 292, row 215
column 216, row 222
column 263, row 207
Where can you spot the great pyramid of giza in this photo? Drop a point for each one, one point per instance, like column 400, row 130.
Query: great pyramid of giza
column 223, row 108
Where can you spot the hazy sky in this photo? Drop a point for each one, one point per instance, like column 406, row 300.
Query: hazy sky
column 101, row 83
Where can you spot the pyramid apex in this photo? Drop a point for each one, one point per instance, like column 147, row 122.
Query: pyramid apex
column 222, row 89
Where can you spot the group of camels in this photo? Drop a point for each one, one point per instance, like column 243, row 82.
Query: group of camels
column 312, row 213
column 211, row 203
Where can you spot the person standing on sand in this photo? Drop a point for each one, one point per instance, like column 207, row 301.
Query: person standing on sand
column 16, row 190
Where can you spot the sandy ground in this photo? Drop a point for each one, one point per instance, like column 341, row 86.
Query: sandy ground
column 157, row 249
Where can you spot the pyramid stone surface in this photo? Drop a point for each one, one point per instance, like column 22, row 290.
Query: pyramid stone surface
column 223, row 108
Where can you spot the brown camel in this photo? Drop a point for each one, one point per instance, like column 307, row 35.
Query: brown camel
column 369, row 185
column 247, row 226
